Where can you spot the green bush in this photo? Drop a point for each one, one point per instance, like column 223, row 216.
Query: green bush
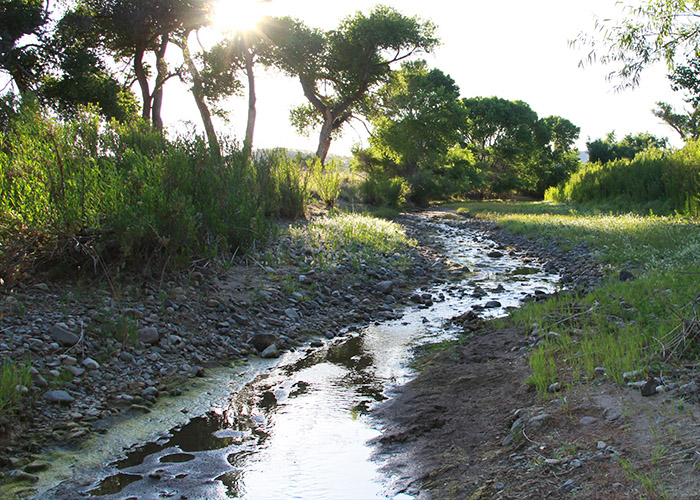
column 13, row 377
column 326, row 180
column 125, row 192
column 379, row 190
column 664, row 182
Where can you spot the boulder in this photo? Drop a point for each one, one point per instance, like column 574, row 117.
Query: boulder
column 262, row 341
column 148, row 335
column 58, row 397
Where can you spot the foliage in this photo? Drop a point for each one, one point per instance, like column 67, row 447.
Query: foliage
column 352, row 239
column 656, row 30
column 326, row 180
column 516, row 150
column 13, row 376
column 22, row 61
column 379, row 190
column 339, row 68
column 684, row 79
column 609, row 149
column 88, row 190
column 667, row 182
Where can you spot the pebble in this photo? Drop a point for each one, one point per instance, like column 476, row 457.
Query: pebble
column 90, row 364
column 587, row 420
column 61, row 334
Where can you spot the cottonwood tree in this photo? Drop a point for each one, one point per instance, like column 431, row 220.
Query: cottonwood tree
column 132, row 29
column 22, row 27
column 337, row 69
column 686, row 79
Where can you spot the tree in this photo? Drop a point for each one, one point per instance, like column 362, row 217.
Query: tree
column 610, row 149
column 22, row 25
column 417, row 117
column 132, row 29
column 657, row 30
column 339, row 68
column 684, row 79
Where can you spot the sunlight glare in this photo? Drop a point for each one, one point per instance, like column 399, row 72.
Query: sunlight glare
column 231, row 16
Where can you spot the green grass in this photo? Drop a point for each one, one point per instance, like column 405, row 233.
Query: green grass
column 13, row 376
column 620, row 326
column 361, row 241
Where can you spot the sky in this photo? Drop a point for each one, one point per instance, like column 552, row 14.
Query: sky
column 512, row 49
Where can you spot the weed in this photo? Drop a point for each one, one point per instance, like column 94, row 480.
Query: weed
column 13, row 376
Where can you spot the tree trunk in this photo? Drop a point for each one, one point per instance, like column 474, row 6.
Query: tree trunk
column 142, row 79
column 250, row 125
column 161, row 75
column 198, row 94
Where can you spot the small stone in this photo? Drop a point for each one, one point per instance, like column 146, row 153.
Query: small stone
column 538, row 419
column 90, row 364
column 149, row 392
column 601, row 445
column 58, row 397
column 649, row 388
column 127, row 357
column 240, row 319
column 291, row 314
column 495, row 254
column 567, row 486
column 148, row 335
column 271, row 352
column 555, row 387
column 588, row 420
column 576, row 463
column 36, row 466
column 385, row 287
column 626, row 276
column 492, row 304
column 61, row 334
column 20, row 475
column 627, row 376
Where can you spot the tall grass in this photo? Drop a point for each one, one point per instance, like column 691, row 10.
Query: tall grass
column 13, row 377
column 658, row 181
column 124, row 191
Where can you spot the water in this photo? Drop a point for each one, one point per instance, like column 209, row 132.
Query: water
column 300, row 429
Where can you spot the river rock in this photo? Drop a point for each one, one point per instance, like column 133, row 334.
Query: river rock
column 90, row 364
column 271, row 352
column 492, row 304
column 495, row 254
column 262, row 341
column 291, row 314
column 240, row 319
column 61, row 334
column 385, row 287
column 58, row 397
column 148, row 335
column 649, row 388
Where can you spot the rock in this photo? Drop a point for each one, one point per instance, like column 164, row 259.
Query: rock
column 148, row 335
column 262, row 341
column 576, row 463
column 587, row 420
column 58, row 397
column 495, row 254
column 305, row 280
column 61, row 334
column 492, row 304
column 90, row 364
column 601, row 445
column 271, row 352
column 385, row 287
column 291, row 314
column 568, row 486
column 127, row 357
column 20, row 475
column 36, row 466
column 649, row 388
column 627, row 376
column 240, row 319
column 149, row 392
column 555, row 387
column 538, row 419
column 626, row 276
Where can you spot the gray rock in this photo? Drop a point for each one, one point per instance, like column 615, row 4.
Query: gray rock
column 492, row 304
column 555, row 387
column 262, row 341
column 568, row 486
column 291, row 314
column 587, row 420
column 271, row 352
column 149, row 392
column 495, row 254
column 127, row 357
column 58, row 397
column 148, row 335
column 385, row 287
column 90, row 364
column 61, row 334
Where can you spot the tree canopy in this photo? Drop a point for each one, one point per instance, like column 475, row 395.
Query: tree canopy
column 610, row 149
column 337, row 69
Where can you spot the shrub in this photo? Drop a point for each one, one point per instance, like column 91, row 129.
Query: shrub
column 326, row 180
column 379, row 190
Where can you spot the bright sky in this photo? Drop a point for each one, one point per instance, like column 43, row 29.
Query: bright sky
column 512, row 49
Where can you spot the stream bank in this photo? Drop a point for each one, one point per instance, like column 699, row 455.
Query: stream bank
column 211, row 319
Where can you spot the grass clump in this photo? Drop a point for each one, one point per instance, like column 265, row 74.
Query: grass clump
column 360, row 241
column 13, row 377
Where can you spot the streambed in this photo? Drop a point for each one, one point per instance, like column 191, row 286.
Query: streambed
column 299, row 427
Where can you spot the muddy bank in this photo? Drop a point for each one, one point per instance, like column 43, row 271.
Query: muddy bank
column 469, row 426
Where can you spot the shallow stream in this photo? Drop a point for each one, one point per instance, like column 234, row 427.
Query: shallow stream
column 298, row 427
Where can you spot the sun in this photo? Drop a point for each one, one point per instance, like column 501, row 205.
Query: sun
column 231, row 16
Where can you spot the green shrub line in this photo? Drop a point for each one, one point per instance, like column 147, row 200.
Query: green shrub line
column 664, row 182
column 620, row 326
column 125, row 192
